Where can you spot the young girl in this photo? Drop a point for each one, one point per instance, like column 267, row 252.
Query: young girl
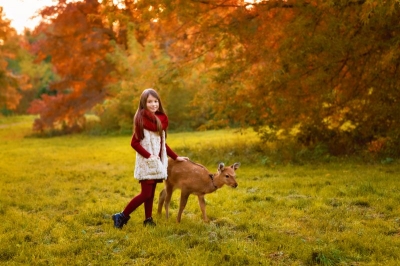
column 150, row 126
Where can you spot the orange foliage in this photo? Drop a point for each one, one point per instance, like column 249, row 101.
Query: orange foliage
column 377, row 146
column 9, row 82
column 327, row 70
column 77, row 41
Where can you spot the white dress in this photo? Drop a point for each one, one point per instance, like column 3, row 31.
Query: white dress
column 149, row 169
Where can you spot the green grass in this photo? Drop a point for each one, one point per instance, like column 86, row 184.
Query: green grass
column 57, row 196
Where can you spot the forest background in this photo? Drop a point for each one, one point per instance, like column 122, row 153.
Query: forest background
column 316, row 78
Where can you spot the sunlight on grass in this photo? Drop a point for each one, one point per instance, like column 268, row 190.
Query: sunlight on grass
column 57, row 196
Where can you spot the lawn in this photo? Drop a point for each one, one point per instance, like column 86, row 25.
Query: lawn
column 57, row 196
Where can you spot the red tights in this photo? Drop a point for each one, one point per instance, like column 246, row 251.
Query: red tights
column 146, row 196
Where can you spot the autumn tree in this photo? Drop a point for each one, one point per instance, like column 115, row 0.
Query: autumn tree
column 76, row 38
column 105, row 54
column 174, row 27
column 309, row 72
column 137, row 67
column 337, row 81
column 34, row 77
column 315, row 72
column 11, row 82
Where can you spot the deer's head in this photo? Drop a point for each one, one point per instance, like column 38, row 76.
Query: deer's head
column 227, row 175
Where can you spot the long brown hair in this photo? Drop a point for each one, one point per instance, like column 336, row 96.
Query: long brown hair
column 142, row 111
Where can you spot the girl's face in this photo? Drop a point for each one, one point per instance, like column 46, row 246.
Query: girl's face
column 152, row 104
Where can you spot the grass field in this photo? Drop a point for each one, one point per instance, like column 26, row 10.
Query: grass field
column 57, row 196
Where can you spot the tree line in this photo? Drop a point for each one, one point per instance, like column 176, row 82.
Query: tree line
column 309, row 73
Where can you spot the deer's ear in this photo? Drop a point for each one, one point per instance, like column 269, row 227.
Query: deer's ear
column 221, row 167
column 235, row 166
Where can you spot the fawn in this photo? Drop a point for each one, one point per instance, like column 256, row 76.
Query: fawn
column 193, row 178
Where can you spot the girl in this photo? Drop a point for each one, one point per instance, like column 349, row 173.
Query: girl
column 150, row 126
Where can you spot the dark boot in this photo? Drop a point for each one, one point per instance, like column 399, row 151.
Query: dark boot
column 149, row 221
column 120, row 219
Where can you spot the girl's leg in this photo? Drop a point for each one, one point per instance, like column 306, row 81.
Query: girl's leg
column 146, row 194
column 148, row 204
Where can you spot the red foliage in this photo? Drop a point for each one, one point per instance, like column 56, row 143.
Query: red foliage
column 77, row 42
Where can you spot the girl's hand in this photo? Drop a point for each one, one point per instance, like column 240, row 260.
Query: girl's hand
column 181, row 159
column 153, row 157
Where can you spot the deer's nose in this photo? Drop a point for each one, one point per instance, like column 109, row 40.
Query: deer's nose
column 235, row 185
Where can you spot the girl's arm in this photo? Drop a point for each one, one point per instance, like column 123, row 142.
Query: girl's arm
column 135, row 144
column 170, row 152
column 173, row 155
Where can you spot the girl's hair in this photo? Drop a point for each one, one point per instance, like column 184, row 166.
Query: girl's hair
column 142, row 111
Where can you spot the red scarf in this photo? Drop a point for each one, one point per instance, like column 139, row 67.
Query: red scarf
column 150, row 122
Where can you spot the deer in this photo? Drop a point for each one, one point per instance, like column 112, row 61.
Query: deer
column 194, row 178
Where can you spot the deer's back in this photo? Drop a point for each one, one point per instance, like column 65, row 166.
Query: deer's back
column 187, row 176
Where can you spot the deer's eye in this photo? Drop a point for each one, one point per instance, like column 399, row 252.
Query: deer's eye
column 227, row 176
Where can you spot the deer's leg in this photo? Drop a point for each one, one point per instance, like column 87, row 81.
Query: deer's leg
column 182, row 205
column 202, row 204
column 161, row 201
column 168, row 195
